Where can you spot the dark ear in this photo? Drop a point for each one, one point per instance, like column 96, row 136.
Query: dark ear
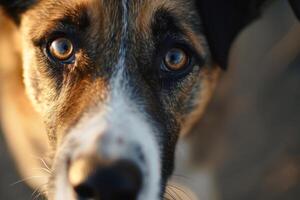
column 15, row 8
column 223, row 20
column 296, row 7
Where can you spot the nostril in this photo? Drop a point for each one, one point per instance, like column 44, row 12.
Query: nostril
column 117, row 180
column 127, row 180
column 85, row 191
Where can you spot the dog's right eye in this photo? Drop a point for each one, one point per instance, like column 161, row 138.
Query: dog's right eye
column 61, row 49
column 176, row 59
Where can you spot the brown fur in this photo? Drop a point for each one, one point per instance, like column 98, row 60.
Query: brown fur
column 61, row 96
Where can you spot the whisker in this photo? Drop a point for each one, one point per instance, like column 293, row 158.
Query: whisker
column 182, row 176
column 39, row 192
column 167, row 198
column 181, row 190
column 174, row 192
column 26, row 179
column 43, row 169
column 170, row 194
column 43, row 162
column 36, row 193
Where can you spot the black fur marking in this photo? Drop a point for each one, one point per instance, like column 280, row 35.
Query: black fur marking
column 223, row 20
column 14, row 8
column 81, row 20
column 296, row 7
column 164, row 22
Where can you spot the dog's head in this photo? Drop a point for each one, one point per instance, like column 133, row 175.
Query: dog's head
column 116, row 82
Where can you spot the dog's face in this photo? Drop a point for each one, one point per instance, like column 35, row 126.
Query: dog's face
column 116, row 82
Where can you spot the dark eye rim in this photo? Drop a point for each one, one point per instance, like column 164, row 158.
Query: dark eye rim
column 53, row 59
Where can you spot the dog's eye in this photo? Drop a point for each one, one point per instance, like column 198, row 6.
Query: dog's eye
column 176, row 59
column 61, row 49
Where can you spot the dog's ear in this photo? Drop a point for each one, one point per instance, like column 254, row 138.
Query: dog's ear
column 223, row 20
column 296, row 7
column 15, row 8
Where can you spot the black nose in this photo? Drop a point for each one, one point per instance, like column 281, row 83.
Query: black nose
column 114, row 181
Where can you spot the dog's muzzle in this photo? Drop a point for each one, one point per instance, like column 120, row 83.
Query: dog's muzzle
column 109, row 168
column 110, row 154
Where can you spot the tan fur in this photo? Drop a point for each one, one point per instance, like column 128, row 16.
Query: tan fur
column 210, row 79
column 147, row 9
column 208, row 76
column 25, row 132
column 81, row 91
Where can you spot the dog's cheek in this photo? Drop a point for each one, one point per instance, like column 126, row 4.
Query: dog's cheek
column 168, row 152
column 39, row 88
column 199, row 98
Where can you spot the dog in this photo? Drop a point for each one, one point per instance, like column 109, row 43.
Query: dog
column 108, row 88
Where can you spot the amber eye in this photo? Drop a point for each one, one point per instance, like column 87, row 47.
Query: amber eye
column 61, row 49
column 176, row 59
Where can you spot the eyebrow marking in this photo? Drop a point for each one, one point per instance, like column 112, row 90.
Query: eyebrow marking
column 75, row 20
column 80, row 20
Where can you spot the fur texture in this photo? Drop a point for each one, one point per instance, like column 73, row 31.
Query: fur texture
column 116, row 88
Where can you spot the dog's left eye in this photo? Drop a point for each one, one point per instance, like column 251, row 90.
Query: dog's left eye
column 61, row 49
column 176, row 59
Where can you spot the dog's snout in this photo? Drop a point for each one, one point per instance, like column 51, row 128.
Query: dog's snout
column 109, row 181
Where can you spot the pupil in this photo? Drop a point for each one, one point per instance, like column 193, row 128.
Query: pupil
column 62, row 47
column 175, row 57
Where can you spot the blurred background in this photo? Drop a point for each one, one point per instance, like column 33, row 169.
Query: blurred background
column 248, row 144
column 10, row 188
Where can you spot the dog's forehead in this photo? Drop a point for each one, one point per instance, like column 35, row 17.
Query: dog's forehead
column 113, row 5
column 140, row 13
